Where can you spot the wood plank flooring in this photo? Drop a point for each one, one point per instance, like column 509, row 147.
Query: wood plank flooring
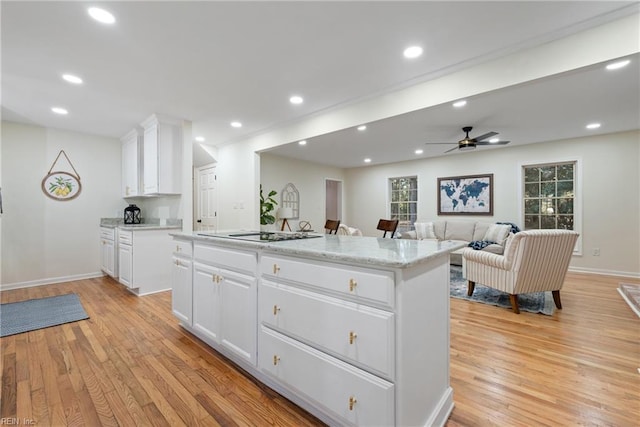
column 131, row 364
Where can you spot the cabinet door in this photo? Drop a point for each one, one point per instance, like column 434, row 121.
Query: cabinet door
column 206, row 301
column 182, row 290
column 108, row 257
column 130, row 169
column 239, row 296
column 150, row 156
column 125, row 263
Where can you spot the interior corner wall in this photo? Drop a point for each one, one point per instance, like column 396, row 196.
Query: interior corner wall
column 610, row 192
column 46, row 240
column 309, row 178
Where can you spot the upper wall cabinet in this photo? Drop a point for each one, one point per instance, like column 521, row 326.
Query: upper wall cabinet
column 162, row 155
column 132, row 163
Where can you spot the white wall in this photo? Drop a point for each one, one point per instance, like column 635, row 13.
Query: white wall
column 309, row 178
column 610, row 192
column 45, row 240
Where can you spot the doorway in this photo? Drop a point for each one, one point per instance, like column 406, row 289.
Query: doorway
column 206, row 199
column 333, row 199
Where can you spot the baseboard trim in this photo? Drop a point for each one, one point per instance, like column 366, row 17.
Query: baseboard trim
column 635, row 275
column 50, row 281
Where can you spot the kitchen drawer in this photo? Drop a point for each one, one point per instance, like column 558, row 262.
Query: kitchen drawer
column 232, row 259
column 354, row 332
column 125, row 237
column 108, row 233
column 182, row 248
column 366, row 285
column 349, row 393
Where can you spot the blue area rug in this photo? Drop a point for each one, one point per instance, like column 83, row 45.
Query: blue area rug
column 24, row 316
column 537, row 302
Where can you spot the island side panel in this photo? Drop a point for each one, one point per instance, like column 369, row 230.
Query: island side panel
column 423, row 393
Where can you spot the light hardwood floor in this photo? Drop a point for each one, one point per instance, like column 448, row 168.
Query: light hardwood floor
column 131, row 364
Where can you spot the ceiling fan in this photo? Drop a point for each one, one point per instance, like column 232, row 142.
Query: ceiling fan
column 470, row 143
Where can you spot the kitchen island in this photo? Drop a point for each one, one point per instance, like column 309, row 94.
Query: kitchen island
column 353, row 329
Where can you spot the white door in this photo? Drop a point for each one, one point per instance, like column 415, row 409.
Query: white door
column 206, row 199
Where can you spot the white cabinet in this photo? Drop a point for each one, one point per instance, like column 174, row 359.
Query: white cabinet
column 131, row 163
column 162, row 155
column 144, row 258
column 181, row 281
column 108, row 252
column 225, row 299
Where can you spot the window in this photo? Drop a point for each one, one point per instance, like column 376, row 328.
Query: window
column 549, row 196
column 404, row 200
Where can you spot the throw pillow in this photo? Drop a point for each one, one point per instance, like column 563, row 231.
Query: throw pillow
column 424, row 230
column 497, row 233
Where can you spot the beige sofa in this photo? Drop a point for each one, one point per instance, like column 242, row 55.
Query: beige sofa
column 466, row 231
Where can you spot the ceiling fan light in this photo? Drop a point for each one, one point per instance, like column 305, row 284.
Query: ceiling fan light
column 467, row 147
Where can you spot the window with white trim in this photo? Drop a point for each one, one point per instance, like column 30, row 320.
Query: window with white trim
column 549, row 196
column 404, row 200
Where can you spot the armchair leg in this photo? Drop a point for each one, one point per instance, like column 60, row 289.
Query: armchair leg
column 514, row 303
column 556, row 299
column 470, row 287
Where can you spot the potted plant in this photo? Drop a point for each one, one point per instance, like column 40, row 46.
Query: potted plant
column 267, row 205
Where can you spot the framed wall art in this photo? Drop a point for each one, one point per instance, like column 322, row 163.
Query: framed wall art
column 60, row 185
column 465, row 195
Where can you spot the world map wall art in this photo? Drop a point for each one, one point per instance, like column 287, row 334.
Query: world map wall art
column 465, row 195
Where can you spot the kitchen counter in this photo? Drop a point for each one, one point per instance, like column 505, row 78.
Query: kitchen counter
column 372, row 251
column 147, row 224
column 350, row 328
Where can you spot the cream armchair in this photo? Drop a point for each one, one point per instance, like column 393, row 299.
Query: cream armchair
column 533, row 261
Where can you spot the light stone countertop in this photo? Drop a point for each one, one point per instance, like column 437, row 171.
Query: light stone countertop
column 371, row 251
column 147, row 224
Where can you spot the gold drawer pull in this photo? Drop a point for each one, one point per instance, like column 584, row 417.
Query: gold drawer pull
column 177, row 248
column 352, row 284
column 219, row 279
column 352, row 337
column 352, row 402
column 214, row 277
column 275, row 268
column 276, row 309
column 276, row 359
column 178, row 262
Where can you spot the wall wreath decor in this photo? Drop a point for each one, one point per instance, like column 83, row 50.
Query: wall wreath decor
column 60, row 185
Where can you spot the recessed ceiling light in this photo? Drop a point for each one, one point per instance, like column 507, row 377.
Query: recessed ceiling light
column 412, row 52
column 101, row 15
column 419, row 151
column 236, row 124
column 59, row 110
column 199, row 138
column 72, row 79
column 460, row 103
column 617, row 65
column 593, row 125
column 362, row 127
column 303, row 142
column 367, row 160
column 295, row 99
column 494, row 140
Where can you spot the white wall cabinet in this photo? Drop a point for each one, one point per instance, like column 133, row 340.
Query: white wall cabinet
column 108, row 251
column 182, row 281
column 225, row 299
column 144, row 258
column 162, row 155
column 132, row 163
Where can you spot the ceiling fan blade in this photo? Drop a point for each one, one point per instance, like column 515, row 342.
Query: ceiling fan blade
column 454, row 148
column 492, row 143
column 485, row 136
column 429, row 143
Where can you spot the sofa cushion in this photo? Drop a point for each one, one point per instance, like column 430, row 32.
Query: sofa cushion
column 497, row 233
column 460, row 230
column 480, row 230
column 440, row 227
column 424, row 230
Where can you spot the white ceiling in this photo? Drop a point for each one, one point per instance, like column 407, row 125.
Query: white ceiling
column 215, row 62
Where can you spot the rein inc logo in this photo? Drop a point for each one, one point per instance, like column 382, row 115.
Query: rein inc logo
column 13, row 421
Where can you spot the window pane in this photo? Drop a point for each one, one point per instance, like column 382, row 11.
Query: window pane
column 531, row 190
column 548, row 189
column 565, row 188
column 531, row 222
column 548, row 222
column 394, row 196
column 565, row 172
column 394, row 209
column 565, row 206
column 548, row 206
column 565, row 222
column 547, row 173
column 531, row 174
column 532, row 206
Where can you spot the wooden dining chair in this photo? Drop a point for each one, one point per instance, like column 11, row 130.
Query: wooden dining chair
column 332, row 225
column 388, row 226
